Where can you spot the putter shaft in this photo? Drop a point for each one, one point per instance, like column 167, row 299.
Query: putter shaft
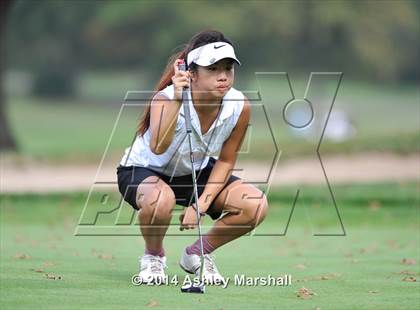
column 186, row 106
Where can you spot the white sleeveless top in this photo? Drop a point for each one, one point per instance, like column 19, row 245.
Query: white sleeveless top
column 175, row 161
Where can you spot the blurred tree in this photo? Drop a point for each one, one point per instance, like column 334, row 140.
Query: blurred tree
column 376, row 40
column 7, row 141
column 371, row 39
column 52, row 30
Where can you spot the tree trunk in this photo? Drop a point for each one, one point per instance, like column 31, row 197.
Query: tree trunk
column 6, row 139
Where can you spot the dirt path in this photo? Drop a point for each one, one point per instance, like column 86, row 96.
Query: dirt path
column 370, row 167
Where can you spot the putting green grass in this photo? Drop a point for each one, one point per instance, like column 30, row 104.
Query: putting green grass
column 363, row 270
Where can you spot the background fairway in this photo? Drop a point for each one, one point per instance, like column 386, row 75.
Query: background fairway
column 386, row 119
column 361, row 270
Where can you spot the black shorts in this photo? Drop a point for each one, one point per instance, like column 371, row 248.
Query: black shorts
column 130, row 177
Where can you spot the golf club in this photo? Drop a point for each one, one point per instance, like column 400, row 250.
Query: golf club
column 192, row 288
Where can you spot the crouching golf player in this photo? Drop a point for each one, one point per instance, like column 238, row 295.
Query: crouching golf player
column 160, row 168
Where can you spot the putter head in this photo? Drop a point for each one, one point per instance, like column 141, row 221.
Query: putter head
column 191, row 288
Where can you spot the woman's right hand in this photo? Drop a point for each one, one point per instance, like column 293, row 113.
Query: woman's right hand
column 180, row 80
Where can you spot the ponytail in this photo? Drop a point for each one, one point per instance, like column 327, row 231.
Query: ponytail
column 164, row 81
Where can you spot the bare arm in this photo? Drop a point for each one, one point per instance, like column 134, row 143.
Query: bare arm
column 163, row 118
column 222, row 170
column 164, row 113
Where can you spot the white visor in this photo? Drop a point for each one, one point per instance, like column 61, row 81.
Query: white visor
column 211, row 53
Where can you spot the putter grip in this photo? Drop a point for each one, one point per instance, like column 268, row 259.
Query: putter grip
column 182, row 67
column 185, row 103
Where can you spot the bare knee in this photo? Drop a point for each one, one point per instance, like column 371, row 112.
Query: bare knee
column 255, row 209
column 156, row 203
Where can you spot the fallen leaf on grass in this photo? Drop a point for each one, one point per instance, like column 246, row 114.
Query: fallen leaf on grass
column 19, row 239
column 409, row 279
column 37, row 269
column 301, row 280
column 328, row 276
column 105, row 256
column 408, row 261
column 407, row 272
column 305, row 293
column 300, row 266
column 371, row 248
column 392, row 244
column 292, row 243
column 374, row 205
column 53, row 246
column 22, row 256
column 152, row 303
column 52, row 276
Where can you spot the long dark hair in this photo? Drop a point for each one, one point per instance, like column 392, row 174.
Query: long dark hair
column 199, row 39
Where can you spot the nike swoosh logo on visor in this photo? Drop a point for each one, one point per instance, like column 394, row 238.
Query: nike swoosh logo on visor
column 216, row 47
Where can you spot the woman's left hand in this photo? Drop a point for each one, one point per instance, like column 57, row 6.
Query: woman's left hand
column 189, row 219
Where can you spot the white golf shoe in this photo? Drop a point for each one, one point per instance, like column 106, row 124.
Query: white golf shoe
column 152, row 269
column 191, row 264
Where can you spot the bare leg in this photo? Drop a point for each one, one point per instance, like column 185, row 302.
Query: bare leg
column 156, row 201
column 247, row 207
